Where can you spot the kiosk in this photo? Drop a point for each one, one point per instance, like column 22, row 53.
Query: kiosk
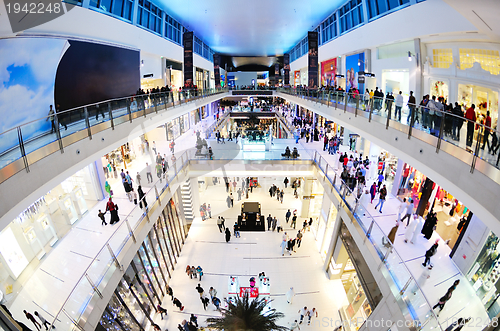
column 46, row 224
column 35, row 243
column 68, row 209
column 79, row 201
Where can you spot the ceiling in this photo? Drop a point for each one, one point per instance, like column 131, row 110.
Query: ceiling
column 482, row 13
column 250, row 28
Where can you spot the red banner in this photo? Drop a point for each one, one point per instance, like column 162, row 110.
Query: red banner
column 252, row 292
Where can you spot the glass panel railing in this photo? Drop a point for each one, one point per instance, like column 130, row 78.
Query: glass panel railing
column 76, row 123
column 447, row 123
column 9, row 142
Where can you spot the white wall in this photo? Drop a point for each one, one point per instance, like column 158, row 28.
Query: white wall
column 97, row 27
column 202, row 63
column 151, row 64
column 416, row 21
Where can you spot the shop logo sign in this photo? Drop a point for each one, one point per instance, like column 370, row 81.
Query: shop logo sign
column 26, row 14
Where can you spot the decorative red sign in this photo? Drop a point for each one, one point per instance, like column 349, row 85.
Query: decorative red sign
column 252, row 292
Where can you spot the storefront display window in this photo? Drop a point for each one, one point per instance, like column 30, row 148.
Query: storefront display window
column 439, row 89
column 143, row 285
column 484, row 98
column 332, row 216
column 485, row 273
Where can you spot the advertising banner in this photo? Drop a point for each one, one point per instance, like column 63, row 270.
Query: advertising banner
column 216, row 70
column 355, row 67
column 276, row 73
column 188, row 58
column 286, row 68
column 296, row 77
column 312, row 69
column 252, row 292
column 328, row 72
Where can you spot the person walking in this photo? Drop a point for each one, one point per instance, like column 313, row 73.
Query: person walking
column 199, row 271
column 204, row 301
column 299, row 238
column 44, row 321
column 391, row 236
column 381, row 200
column 409, row 211
column 283, row 245
column 310, row 314
column 148, row 173
column 161, row 310
column 289, row 295
column 373, row 191
column 209, row 210
column 178, row 304
column 142, row 197
column 286, row 181
column 236, row 229
column 269, row 222
column 275, row 222
column 200, row 290
column 32, row 319
column 303, row 312
column 170, row 292
column 429, row 253
column 212, row 292
column 294, row 326
column 445, row 298
column 294, row 220
column 101, row 216
column 219, row 224
column 470, row 116
column 113, row 210
column 287, row 215
column 228, row 235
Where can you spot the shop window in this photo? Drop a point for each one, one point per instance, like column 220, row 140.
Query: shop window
column 442, row 58
column 489, row 59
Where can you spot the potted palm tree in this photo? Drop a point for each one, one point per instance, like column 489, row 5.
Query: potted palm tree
column 247, row 315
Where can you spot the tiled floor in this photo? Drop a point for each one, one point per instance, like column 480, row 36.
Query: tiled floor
column 59, row 271
column 245, row 257
column 249, row 255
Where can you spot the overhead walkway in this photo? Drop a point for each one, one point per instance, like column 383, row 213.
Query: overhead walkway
column 34, row 163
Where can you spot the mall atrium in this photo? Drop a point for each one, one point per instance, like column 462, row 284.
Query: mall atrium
column 335, row 162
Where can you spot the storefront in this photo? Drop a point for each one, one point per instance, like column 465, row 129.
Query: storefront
column 173, row 129
column 439, row 88
column 32, row 234
column 329, row 72
column 395, row 81
column 184, row 123
column 484, row 98
column 450, row 212
column 195, row 117
column 143, row 286
column 359, row 300
column 485, row 273
column 296, row 78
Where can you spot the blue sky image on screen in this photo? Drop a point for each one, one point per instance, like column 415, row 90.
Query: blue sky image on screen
column 27, row 75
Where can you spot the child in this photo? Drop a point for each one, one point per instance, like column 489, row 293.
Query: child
column 101, row 216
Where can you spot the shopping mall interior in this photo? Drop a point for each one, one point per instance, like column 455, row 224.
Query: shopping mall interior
column 184, row 158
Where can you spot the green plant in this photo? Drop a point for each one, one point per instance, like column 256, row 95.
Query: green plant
column 247, row 315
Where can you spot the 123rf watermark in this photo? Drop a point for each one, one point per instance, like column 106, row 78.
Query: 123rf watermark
column 331, row 323
column 26, row 14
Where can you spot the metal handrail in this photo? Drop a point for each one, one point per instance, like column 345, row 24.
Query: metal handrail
column 124, row 223
column 354, row 213
column 163, row 98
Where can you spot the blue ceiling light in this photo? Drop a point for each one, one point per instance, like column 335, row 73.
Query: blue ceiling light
column 253, row 32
